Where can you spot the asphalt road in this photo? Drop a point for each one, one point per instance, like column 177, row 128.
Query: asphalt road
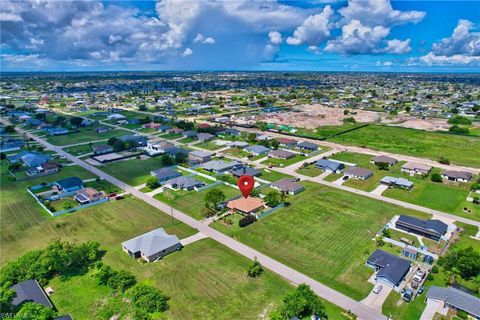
column 362, row 311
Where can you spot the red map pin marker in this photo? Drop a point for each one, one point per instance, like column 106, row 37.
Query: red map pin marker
column 246, row 184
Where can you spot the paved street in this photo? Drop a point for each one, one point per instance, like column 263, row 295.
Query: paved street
column 362, row 311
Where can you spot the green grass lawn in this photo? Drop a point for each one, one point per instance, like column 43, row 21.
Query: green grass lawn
column 283, row 162
column 311, row 171
column 134, row 171
column 236, row 152
column 79, row 150
column 84, row 135
column 208, row 145
column 333, row 176
column 325, row 131
column 171, row 136
column 458, row 149
column 187, row 140
column 214, row 287
column 325, row 233
column 191, row 202
column 271, row 175
column 396, row 235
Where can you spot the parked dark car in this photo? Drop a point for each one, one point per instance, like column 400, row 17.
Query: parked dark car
column 408, row 295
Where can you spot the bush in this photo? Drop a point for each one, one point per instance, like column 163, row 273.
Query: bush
column 436, row 177
column 458, row 130
column 462, row 314
column 435, row 269
column 459, row 120
column 147, row 300
column 443, row 160
column 430, row 277
column 383, row 166
column 249, row 219
column 153, row 183
column 255, row 270
column 117, row 280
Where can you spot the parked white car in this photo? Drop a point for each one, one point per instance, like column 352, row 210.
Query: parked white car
column 377, row 289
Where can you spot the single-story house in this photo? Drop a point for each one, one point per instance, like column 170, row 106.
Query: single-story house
column 205, row 136
column 184, row 183
column 174, row 130
column 457, row 176
column 30, row 291
column 190, row 134
column 57, row 131
column 432, row 229
column 231, row 132
column 397, row 182
column 102, row 149
column 281, row 154
column 32, row 160
column 157, row 146
column 175, row 151
column 44, row 169
column 165, row 174
column 286, row 142
column 329, row 165
column 413, row 168
column 249, row 171
column 391, row 270
column 246, row 205
column 237, row 144
column 69, row 184
column 384, row 159
column 152, row 125
column 198, row 156
column 102, row 129
column 257, row 150
column 116, row 116
column 263, row 137
column 359, row 173
column 304, row 145
column 33, row 122
column 203, row 126
column 152, row 245
column 138, row 139
column 11, row 145
column 219, row 166
column 455, row 299
column 287, row 185
column 133, row 121
column 88, row 195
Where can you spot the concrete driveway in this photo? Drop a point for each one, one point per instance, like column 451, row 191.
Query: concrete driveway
column 430, row 309
column 379, row 190
column 376, row 300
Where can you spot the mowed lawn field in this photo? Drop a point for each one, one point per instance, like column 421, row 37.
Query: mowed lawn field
column 84, row 135
column 133, row 171
column 325, row 233
column 462, row 150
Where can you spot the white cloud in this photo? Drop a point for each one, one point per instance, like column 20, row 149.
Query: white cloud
column 313, row 49
column 378, row 12
column 273, row 45
column 187, row 52
column 461, row 48
column 396, row 46
column 314, row 30
column 275, row 37
column 200, row 38
column 4, row 16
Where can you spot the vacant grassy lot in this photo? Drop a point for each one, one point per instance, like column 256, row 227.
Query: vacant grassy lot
column 458, row 149
column 84, row 135
column 24, row 225
column 132, row 171
column 192, row 202
column 283, row 162
column 271, row 175
column 236, row 152
column 79, row 150
column 208, row 145
column 325, row 131
column 326, row 234
column 311, row 171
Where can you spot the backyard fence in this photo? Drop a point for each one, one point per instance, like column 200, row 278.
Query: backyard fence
column 270, row 211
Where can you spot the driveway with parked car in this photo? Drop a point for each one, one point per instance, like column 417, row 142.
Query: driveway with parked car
column 377, row 297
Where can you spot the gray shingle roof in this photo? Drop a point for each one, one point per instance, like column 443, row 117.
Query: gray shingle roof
column 249, row 171
column 151, row 242
column 288, row 185
column 184, row 182
column 359, row 172
column 165, row 173
column 30, row 290
column 457, row 298
column 384, row 159
column 431, row 225
column 218, row 165
column 392, row 267
column 458, row 174
column 329, row 164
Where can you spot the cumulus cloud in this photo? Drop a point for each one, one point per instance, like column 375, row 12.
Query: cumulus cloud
column 315, row 29
column 359, row 39
column 273, row 45
column 187, row 52
column 275, row 37
column 378, row 12
column 200, row 38
column 462, row 47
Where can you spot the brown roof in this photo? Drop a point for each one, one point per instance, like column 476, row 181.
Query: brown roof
column 49, row 166
column 247, row 205
column 385, row 159
column 282, row 153
column 286, row 141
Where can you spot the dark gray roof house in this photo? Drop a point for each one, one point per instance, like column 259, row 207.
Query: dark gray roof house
column 456, row 299
column 152, row 245
column 205, row 136
column 433, row 229
column 391, row 269
column 199, row 156
column 69, row 184
column 307, row 146
column 359, row 173
column 102, row 149
column 281, row 154
column 219, row 165
column 287, row 185
column 30, row 290
column 452, row 175
column 249, row 171
column 397, row 182
column 186, row 183
column 140, row 140
column 257, row 149
column 190, row 134
column 165, row 174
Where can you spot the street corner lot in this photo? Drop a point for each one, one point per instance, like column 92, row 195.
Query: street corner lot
column 325, row 233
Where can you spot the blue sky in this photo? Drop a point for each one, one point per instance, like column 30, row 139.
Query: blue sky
column 323, row 35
